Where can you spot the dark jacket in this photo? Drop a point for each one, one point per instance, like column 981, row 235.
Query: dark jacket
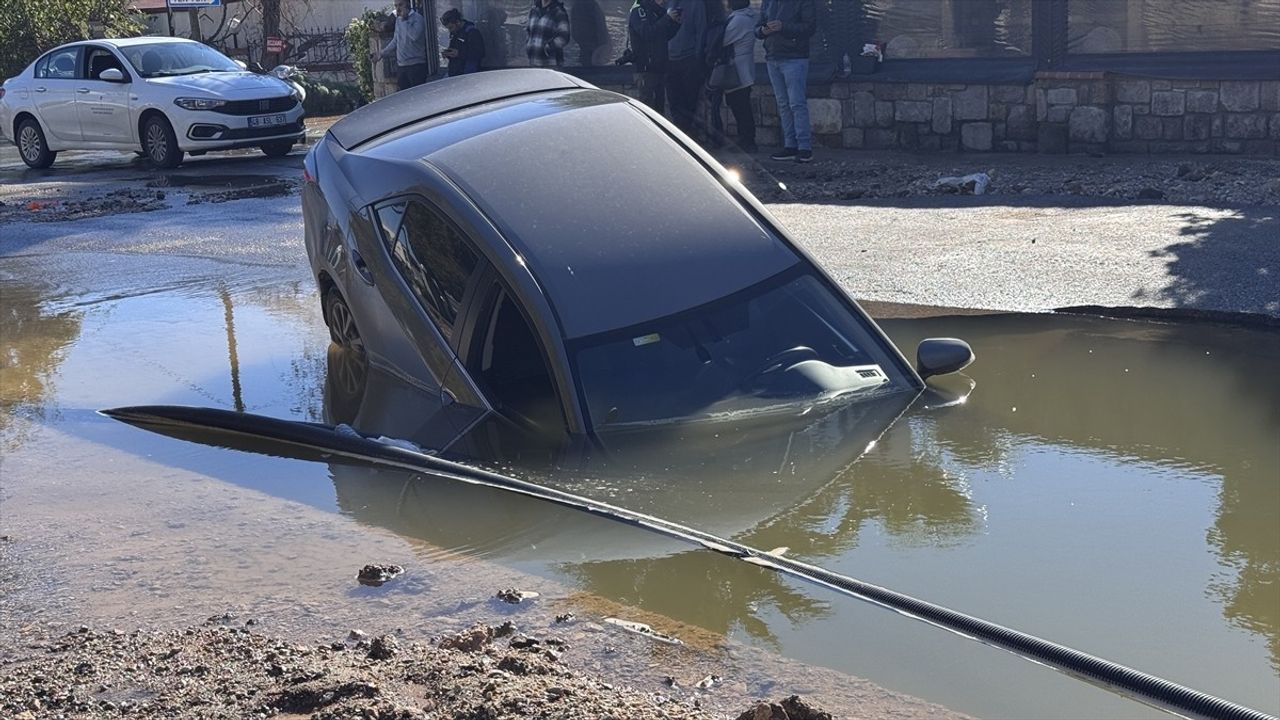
column 649, row 28
column 470, row 46
column 799, row 20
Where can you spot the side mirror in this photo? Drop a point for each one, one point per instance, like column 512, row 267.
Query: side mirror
column 939, row 356
column 111, row 75
column 243, row 65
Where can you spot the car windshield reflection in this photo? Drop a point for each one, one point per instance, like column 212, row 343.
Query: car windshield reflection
column 784, row 342
column 170, row 59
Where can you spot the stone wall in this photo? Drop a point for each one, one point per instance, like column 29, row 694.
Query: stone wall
column 1060, row 112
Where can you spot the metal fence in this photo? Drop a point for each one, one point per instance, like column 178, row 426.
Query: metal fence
column 313, row 50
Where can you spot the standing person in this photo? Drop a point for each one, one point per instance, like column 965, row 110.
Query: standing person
column 547, row 33
column 466, row 45
column 587, row 25
column 649, row 28
column 739, row 34
column 686, row 71
column 409, row 43
column 786, row 27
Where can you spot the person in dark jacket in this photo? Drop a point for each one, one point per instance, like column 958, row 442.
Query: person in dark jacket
column 547, row 33
column 786, row 27
column 649, row 28
column 590, row 32
column 686, row 69
column 466, row 45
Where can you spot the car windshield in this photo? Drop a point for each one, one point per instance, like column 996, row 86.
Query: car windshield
column 785, row 341
column 165, row 59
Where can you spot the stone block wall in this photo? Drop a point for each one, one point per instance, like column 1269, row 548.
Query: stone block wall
column 1060, row 112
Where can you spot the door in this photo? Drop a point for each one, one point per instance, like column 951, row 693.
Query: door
column 508, row 363
column 55, row 94
column 102, row 105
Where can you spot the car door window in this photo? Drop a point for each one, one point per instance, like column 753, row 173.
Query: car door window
column 99, row 59
column 59, row 64
column 509, row 363
column 432, row 256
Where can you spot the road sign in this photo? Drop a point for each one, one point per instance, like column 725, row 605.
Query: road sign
column 187, row 4
column 275, row 44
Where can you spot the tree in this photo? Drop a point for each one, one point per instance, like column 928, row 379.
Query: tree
column 30, row 27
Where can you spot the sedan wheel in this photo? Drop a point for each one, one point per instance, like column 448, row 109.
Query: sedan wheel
column 32, row 146
column 160, row 144
column 342, row 324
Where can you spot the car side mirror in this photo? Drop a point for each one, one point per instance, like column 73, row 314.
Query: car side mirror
column 243, row 65
column 111, row 75
column 939, row 356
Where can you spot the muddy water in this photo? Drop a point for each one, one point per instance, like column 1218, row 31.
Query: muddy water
column 1110, row 485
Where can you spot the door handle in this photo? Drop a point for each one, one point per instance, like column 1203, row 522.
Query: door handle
column 41, row 89
column 362, row 269
column 82, row 90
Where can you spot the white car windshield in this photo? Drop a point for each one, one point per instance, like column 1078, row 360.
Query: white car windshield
column 166, row 59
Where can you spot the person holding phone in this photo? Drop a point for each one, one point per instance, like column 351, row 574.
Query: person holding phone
column 409, row 44
column 786, row 27
column 466, row 45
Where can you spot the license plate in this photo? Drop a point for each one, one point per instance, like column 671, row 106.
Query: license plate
column 266, row 120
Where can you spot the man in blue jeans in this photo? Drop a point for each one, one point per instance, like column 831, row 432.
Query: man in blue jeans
column 786, row 26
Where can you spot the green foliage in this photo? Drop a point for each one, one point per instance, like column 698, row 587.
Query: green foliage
column 328, row 98
column 30, row 27
column 357, row 35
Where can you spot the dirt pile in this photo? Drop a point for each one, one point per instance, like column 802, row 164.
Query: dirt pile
column 234, row 672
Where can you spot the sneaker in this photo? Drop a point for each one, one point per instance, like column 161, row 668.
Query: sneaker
column 784, row 154
column 804, row 156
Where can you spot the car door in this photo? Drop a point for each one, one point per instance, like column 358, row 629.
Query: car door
column 54, row 91
column 102, row 105
column 437, row 269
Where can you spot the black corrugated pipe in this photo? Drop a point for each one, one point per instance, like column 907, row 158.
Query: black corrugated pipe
column 312, row 441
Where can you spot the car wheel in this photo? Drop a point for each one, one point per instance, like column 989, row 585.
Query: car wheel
column 32, row 147
column 342, row 324
column 276, row 149
column 160, row 144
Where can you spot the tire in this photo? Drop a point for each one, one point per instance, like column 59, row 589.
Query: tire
column 32, row 146
column 160, row 143
column 342, row 324
column 277, row 148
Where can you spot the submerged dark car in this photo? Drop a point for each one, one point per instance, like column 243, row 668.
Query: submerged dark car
column 522, row 245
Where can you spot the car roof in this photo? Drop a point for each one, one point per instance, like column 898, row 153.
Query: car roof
column 600, row 202
column 143, row 40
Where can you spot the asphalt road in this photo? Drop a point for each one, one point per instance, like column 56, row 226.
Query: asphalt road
column 1024, row 253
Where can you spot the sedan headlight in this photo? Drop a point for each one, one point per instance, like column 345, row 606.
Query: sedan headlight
column 191, row 103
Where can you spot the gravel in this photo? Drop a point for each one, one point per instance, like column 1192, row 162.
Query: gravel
column 845, row 176
column 233, row 672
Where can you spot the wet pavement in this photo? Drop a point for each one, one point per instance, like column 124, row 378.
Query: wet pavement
column 1108, row 484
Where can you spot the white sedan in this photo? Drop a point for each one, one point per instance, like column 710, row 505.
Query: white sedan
column 161, row 96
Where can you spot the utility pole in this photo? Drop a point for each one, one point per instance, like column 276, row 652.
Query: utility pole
column 193, row 17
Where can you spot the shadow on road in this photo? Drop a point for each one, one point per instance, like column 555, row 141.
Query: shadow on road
column 1228, row 260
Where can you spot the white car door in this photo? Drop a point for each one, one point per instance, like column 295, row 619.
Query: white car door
column 103, row 106
column 54, row 93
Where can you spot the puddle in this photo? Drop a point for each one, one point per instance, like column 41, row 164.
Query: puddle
column 1111, row 485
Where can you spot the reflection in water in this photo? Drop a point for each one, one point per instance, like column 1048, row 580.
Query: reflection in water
column 33, row 342
column 1198, row 398
column 1162, row 409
